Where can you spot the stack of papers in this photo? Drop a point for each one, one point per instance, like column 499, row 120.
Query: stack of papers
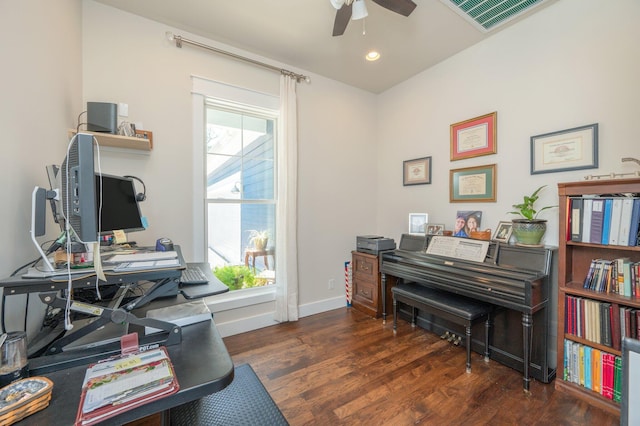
column 144, row 260
column 123, row 383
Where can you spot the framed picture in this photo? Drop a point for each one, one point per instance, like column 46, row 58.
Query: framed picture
column 474, row 137
column 435, row 229
column 466, row 222
column 417, row 172
column 503, row 232
column 477, row 184
column 418, row 223
column 571, row 149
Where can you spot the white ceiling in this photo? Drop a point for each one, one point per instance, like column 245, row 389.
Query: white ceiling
column 298, row 33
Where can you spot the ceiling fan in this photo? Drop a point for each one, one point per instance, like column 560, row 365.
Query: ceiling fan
column 356, row 9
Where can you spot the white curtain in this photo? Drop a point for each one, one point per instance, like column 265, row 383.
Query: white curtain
column 287, row 214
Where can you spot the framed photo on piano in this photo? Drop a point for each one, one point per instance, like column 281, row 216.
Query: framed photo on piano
column 503, row 232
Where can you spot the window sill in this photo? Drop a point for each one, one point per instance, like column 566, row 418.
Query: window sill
column 241, row 298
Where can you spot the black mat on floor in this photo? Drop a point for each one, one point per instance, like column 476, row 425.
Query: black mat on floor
column 244, row 402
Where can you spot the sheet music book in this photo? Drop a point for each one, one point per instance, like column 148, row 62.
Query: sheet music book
column 122, row 383
column 459, row 248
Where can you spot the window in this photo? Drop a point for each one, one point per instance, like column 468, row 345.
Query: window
column 240, row 193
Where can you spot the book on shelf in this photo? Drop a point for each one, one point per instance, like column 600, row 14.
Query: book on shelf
column 635, row 223
column 596, row 369
column 592, row 369
column 576, row 219
column 124, row 382
column 617, row 379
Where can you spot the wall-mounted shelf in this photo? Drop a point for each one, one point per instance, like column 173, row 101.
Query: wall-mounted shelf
column 118, row 141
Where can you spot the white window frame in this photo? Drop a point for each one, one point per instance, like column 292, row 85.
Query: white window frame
column 203, row 89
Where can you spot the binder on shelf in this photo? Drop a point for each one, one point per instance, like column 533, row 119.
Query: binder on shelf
column 635, row 223
column 597, row 218
column 576, row 219
column 625, row 221
column 606, row 222
column 614, row 226
column 587, row 206
column 124, row 382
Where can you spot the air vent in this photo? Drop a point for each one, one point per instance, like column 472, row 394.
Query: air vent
column 487, row 15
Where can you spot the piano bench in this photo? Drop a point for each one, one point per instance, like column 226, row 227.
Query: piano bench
column 448, row 306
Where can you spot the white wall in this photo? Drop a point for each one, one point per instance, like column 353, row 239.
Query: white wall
column 128, row 59
column 41, row 89
column 573, row 63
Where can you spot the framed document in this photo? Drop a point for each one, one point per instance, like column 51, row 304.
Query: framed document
column 417, row 172
column 571, row 149
column 476, row 184
column 474, row 137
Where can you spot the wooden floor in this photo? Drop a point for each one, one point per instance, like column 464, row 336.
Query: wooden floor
column 344, row 368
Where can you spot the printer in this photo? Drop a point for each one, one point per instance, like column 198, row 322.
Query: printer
column 374, row 244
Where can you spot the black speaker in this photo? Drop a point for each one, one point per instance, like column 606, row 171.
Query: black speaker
column 102, row 117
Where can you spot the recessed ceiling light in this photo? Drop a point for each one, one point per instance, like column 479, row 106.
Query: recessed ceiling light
column 372, row 56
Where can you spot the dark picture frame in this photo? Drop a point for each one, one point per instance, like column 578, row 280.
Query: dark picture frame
column 477, row 184
column 474, row 137
column 503, row 231
column 565, row 150
column 435, row 228
column 416, row 171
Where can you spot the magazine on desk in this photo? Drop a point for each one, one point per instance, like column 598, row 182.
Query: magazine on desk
column 125, row 382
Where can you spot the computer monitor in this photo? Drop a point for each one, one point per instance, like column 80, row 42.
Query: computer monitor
column 118, row 207
column 73, row 202
column 78, row 190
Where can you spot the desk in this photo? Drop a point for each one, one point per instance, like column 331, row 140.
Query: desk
column 202, row 364
column 164, row 282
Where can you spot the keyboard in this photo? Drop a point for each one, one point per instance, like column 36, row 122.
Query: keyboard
column 193, row 275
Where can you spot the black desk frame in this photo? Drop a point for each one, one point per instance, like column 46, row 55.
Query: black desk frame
column 165, row 283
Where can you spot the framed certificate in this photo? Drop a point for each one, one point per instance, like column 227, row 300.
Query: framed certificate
column 474, row 137
column 416, row 172
column 476, row 184
column 571, row 149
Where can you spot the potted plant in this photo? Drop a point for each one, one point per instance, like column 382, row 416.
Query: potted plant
column 258, row 239
column 528, row 229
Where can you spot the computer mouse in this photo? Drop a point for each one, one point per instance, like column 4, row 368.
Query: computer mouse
column 164, row 244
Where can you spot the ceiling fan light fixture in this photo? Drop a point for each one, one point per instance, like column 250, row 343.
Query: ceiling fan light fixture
column 372, row 56
column 337, row 3
column 359, row 10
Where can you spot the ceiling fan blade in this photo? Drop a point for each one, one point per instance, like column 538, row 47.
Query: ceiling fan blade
column 403, row 7
column 343, row 15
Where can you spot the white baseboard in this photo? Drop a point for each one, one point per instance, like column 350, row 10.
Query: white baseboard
column 265, row 320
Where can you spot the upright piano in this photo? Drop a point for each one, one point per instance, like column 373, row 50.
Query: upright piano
column 517, row 280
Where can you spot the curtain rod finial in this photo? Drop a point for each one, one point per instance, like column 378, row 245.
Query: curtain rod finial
column 169, row 35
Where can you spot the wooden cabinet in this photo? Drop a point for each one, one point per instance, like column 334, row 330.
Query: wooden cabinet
column 574, row 260
column 366, row 284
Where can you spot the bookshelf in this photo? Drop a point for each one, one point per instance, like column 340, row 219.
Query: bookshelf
column 574, row 261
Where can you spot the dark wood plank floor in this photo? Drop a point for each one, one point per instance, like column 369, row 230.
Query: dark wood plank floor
column 342, row 367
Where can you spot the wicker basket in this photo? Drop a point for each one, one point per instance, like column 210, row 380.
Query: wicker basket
column 23, row 398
